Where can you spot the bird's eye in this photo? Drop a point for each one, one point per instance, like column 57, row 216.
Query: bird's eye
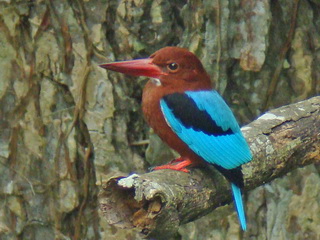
column 173, row 66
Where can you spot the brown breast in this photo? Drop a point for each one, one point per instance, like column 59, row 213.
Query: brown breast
column 154, row 117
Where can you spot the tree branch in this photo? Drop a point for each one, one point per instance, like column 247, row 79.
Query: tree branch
column 156, row 203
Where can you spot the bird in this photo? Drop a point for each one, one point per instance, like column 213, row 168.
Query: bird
column 181, row 105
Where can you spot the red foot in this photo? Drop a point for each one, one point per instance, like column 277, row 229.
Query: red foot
column 181, row 166
column 176, row 160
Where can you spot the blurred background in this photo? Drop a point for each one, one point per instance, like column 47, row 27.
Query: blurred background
column 66, row 124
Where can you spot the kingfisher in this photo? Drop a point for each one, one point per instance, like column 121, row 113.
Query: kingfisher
column 182, row 107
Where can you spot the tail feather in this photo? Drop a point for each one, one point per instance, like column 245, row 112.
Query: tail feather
column 239, row 206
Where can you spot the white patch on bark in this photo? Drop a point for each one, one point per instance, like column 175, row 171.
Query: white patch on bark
column 270, row 116
column 128, row 181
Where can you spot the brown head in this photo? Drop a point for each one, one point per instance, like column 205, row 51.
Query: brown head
column 170, row 67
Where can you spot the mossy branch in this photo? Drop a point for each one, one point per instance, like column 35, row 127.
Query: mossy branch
column 156, row 203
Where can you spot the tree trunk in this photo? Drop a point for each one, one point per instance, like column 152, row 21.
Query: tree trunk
column 66, row 124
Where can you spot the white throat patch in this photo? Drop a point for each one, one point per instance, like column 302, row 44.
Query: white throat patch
column 156, row 81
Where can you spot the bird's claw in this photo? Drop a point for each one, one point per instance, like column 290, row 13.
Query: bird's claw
column 172, row 167
column 180, row 166
column 176, row 160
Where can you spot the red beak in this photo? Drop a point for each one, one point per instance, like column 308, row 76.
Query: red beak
column 139, row 67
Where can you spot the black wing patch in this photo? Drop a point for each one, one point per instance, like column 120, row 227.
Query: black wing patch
column 185, row 109
column 234, row 175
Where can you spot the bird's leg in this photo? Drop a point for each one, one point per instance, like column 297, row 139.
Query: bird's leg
column 181, row 166
column 176, row 160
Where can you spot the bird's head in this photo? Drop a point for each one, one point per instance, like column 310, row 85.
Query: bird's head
column 169, row 66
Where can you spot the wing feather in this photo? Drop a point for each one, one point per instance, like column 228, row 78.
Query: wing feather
column 226, row 147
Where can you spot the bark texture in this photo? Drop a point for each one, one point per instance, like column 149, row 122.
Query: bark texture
column 66, row 125
column 156, row 203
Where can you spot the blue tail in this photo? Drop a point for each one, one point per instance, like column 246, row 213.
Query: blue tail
column 239, row 206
